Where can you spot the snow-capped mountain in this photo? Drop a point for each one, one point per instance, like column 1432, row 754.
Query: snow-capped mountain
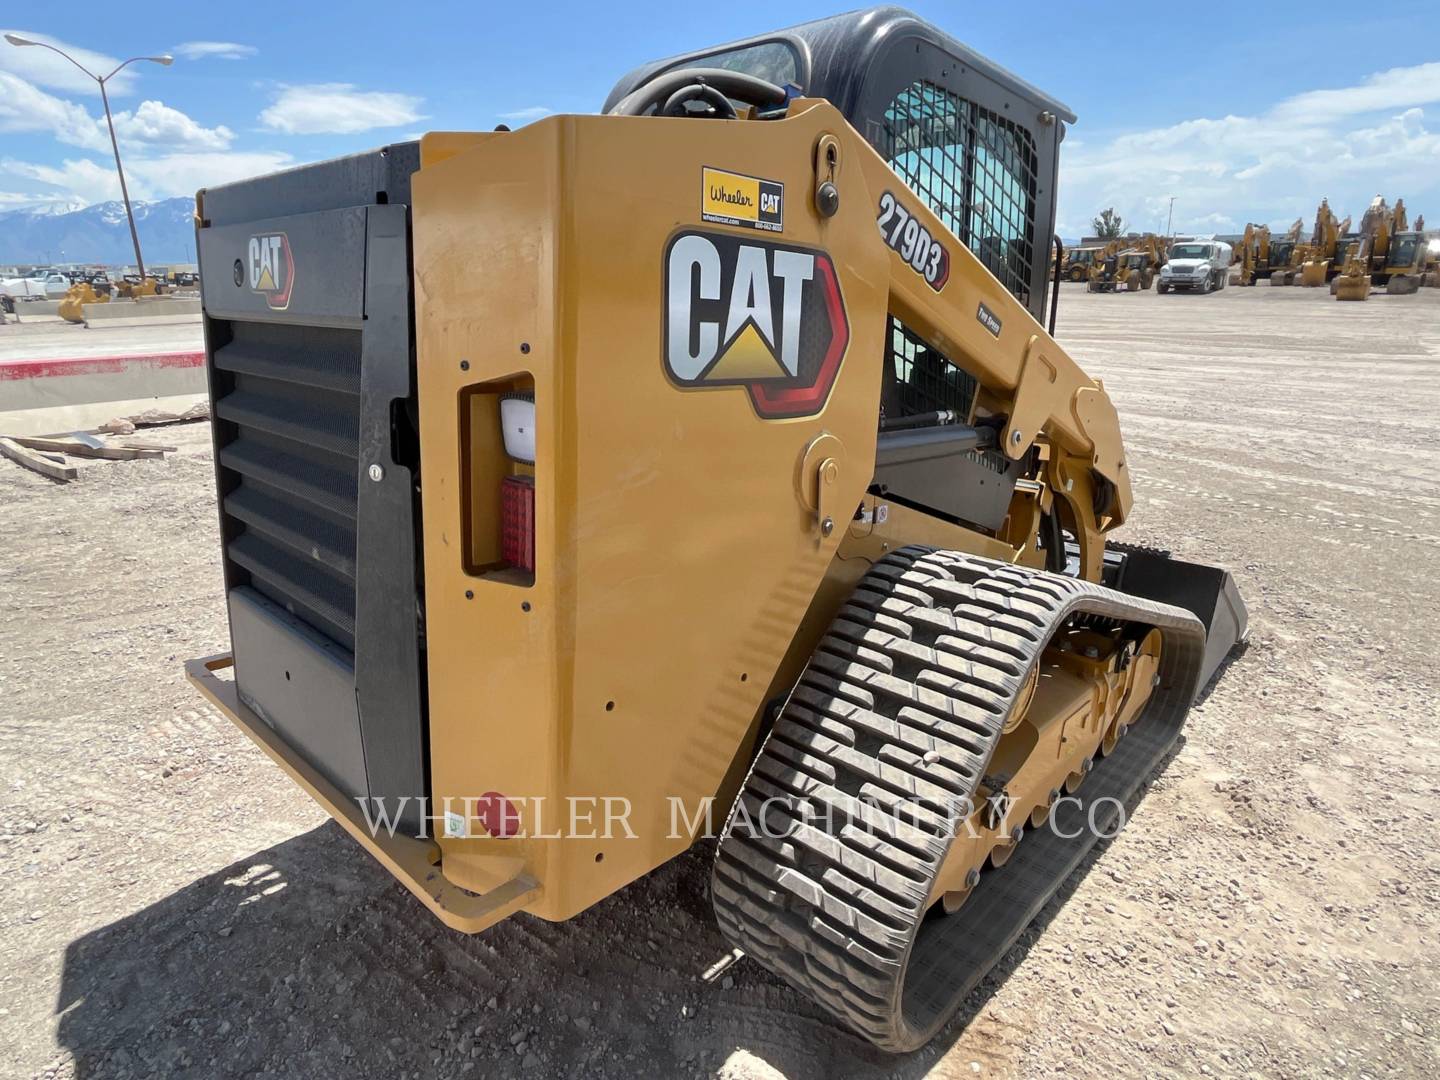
column 62, row 206
column 98, row 233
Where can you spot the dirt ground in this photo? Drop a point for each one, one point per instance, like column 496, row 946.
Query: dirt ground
column 171, row 905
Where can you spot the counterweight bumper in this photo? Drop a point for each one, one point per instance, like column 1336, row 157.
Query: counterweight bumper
column 415, row 863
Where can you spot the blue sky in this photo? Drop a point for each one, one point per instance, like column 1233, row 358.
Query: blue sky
column 1242, row 111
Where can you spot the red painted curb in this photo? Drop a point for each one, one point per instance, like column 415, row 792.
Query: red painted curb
column 96, row 365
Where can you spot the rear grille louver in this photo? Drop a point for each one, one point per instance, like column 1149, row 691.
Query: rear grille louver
column 290, row 447
column 310, row 377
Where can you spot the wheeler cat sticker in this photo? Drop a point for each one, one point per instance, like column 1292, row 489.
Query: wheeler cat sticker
column 728, row 198
column 765, row 316
column 913, row 242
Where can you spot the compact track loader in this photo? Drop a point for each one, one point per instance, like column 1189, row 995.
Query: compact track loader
column 706, row 453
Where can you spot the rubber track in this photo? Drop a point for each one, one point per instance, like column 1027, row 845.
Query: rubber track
column 926, row 658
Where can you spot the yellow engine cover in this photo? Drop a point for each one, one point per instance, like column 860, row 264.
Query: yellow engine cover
column 675, row 553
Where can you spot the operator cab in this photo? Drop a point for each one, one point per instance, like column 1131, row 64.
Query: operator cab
column 976, row 142
column 1404, row 251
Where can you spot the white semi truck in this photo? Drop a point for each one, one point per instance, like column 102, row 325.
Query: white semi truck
column 1200, row 265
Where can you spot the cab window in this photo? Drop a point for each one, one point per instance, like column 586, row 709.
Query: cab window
column 773, row 61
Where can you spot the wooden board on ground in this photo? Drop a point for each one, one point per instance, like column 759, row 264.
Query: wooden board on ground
column 79, row 449
column 35, row 461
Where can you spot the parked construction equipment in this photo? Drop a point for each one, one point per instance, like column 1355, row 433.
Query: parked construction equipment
column 1250, row 255
column 1318, row 262
column 1106, row 270
column 623, row 460
column 1405, row 266
column 1289, row 268
column 1078, row 262
column 1259, row 256
column 134, row 288
column 1127, row 270
column 72, row 308
column 1387, row 252
column 1282, row 252
column 1357, row 259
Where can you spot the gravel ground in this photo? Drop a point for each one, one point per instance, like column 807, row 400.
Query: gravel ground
column 171, row 905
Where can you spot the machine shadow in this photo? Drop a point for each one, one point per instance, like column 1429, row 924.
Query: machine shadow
column 307, row 960
column 1235, row 655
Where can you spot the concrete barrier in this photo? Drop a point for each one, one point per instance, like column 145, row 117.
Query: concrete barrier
column 43, row 396
column 147, row 307
column 37, row 307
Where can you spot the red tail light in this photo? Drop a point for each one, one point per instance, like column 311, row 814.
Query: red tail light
column 498, row 814
column 517, row 521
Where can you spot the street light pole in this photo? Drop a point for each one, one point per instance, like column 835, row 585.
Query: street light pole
column 124, row 191
column 1168, row 221
column 164, row 60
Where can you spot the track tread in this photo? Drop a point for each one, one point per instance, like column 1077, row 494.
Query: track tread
column 927, row 657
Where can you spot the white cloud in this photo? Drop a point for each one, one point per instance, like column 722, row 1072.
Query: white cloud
column 1397, row 88
column 45, row 68
column 14, row 200
column 1347, row 144
column 216, row 50
column 166, row 152
column 27, row 108
column 338, row 109
column 159, row 177
column 527, row 114
column 185, row 174
column 157, row 123
column 82, row 178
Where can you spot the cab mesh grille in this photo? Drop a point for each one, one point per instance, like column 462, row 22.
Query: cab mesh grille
column 975, row 169
column 920, row 380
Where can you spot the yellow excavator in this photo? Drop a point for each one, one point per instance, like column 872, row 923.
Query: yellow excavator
column 1318, row 263
column 1388, row 253
column 1282, row 251
column 1288, row 270
column 1250, row 255
column 700, row 468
